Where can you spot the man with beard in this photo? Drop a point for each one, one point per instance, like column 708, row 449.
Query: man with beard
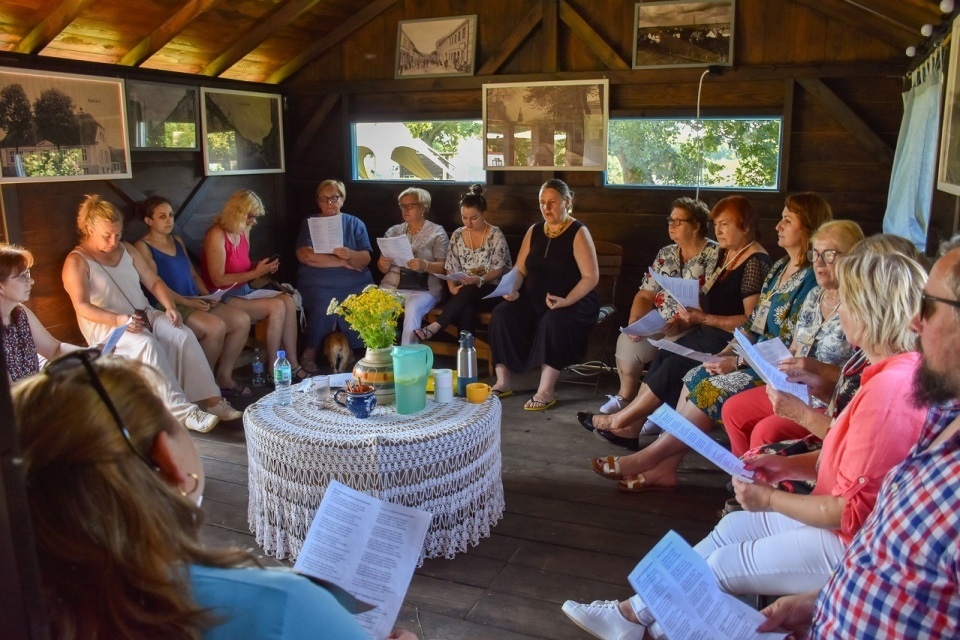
column 899, row 577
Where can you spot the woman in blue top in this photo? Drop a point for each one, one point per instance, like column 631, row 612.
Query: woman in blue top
column 324, row 276
column 113, row 485
column 221, row 329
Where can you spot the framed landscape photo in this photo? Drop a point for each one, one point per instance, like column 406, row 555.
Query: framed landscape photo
column 242, row 132
column 679, row 33
column 546, row 126
column 436, row 47
column 948, row 173
column 163, row 116
column 57, row 127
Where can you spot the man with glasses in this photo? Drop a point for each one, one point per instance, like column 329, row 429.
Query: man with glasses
column 900, row 577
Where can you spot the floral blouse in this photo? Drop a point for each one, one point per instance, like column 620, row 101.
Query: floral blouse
column 823, row 341
column 493, row 253
column 775, row 315
column 667, row 263
column 19, row 347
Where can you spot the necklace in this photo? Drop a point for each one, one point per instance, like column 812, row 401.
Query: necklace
column 483, row 236
column 828, row 311
column 553, row 234
column 733, row 260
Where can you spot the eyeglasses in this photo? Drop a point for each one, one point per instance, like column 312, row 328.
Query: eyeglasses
column 408, row 207
column 24, row 277
column 676, row 222
column 328, row 199
column 927, row 304
column 829, row 256
column 85, row 357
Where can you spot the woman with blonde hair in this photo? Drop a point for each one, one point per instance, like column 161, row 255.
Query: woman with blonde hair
column 103, row 276
column 226, row 262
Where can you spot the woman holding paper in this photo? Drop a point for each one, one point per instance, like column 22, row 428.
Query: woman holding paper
column 415, row 281
column 786, row 543
column 479, row 253
column 103, row 276
column 226, row 262
column 221, row 329
column 322, row 277
column 692, row 256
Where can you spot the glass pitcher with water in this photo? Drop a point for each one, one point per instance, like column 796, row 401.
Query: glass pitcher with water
column 411, row 367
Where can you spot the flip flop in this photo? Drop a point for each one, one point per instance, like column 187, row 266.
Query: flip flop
column 538, row 405
column 638, row 484
column 500, row 393
column 424, row 333
column 608, row 467
column 238, row 390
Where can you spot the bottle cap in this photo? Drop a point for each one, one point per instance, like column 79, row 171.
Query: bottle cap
column 281, row 353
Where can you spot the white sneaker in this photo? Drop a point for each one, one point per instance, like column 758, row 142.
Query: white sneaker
column 224, row 410
column 602, row 619
column 650, row 428
column 199, row 420
column 614, row 404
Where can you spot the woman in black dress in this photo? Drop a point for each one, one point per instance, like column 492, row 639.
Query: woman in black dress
column 553, row 304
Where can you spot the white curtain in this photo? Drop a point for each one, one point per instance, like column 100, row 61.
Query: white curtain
column 915, row 163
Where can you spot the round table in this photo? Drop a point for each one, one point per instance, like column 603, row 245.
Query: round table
column 444, row 459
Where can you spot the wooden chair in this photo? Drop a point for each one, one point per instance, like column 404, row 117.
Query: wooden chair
column 447, row 348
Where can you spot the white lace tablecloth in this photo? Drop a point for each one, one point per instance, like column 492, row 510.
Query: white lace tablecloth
column 445, row 460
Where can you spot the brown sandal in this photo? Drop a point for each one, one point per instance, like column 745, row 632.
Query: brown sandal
column 608, row 467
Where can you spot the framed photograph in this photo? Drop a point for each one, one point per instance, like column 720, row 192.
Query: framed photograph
column 57, row 127
column 948, row 173
column 242, row 132
column 162, row 116
column 678, row 33
column 546, row 126
column 436, row 47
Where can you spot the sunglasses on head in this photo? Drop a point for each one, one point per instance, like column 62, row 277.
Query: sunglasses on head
column 84, row 358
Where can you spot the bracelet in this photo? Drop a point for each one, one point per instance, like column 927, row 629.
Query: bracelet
column 480, row 283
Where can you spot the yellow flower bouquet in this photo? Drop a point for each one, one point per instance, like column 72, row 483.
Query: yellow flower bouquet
column 372, row 313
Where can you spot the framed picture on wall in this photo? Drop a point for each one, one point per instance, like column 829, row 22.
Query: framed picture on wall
column 546, row 126
column 242, row 132
column 436, row 47
column 679, row 33
column 57, row 127
column 948, row 173
column 162, row 116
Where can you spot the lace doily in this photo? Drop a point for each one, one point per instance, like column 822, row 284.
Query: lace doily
column 444, row 459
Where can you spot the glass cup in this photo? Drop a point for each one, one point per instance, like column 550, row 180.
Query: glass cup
column 321, row 391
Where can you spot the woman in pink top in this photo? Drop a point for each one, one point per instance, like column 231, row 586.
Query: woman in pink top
column 786, row 543
column 226, row 262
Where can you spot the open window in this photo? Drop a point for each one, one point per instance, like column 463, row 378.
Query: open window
column 447, row 150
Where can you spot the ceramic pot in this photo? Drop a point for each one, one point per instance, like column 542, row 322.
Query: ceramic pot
column 359, row 404
column 375, row 368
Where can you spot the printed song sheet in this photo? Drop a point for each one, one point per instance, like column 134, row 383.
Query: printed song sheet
column 367, row 546
column 505, row 286
column 326, row 232
column 768, row 372
column 216, row 296
column 683, row 596
column 111, row 342
column 685, row 431
column 679, row 349
column 649, row 325
column 686, row 291
column 459, row 276
column 398, row 249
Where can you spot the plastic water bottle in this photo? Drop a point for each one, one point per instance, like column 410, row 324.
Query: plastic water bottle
column 259, row 380
column 282, row 378
column 466, row 363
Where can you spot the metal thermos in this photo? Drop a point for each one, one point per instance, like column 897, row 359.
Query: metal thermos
column 466, row 363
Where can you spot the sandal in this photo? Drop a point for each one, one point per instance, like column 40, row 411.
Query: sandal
column 608, row 467
column 424, row 333
column 638, row 484
column 300, row 374
column 538, row 405
column 310, row 366
column 239, row 390
column 501, row 393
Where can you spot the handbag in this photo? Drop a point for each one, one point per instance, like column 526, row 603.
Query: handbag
column 414, row 280
column 791, row 448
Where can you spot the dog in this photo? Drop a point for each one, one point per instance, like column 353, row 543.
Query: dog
column 336, row 347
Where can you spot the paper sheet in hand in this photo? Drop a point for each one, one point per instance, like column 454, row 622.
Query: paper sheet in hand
column 459, row 276
column 261, row 293
column 216, row 296
column 326, row 232
column 111, row 342
column 685, row 431
column 769, row 373
column 505, row 286
column 683, row 596
column 649, row 325
column 367, row 546
column 686, row 291
column 398, row 249
column 679, row 349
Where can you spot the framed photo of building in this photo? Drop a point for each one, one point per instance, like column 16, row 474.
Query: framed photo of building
column 57, row 127
column 163, row 116
column 242, row 132
column 680, row 33
column 546, row 126
column 436, row 47
column 948, row 173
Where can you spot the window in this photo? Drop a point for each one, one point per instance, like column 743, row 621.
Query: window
column 443, row 150
column 743, row 153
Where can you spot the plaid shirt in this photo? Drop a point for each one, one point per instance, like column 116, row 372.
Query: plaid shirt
column 899, row 578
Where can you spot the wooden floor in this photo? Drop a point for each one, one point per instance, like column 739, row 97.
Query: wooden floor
column 566, row 532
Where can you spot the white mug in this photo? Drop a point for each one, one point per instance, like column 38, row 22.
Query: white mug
column 443, row 385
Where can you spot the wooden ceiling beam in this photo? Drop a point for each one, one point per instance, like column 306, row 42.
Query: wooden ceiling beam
column 590, row 37
column 342, row 32
column 253, row 38
column 513, row 41
column 166, row 32
column 550, row 30
column 866, row 22
column 51, row 26
column 909, row 15
column 305, row 139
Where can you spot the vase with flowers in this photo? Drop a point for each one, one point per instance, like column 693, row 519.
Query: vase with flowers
column 373, row 314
